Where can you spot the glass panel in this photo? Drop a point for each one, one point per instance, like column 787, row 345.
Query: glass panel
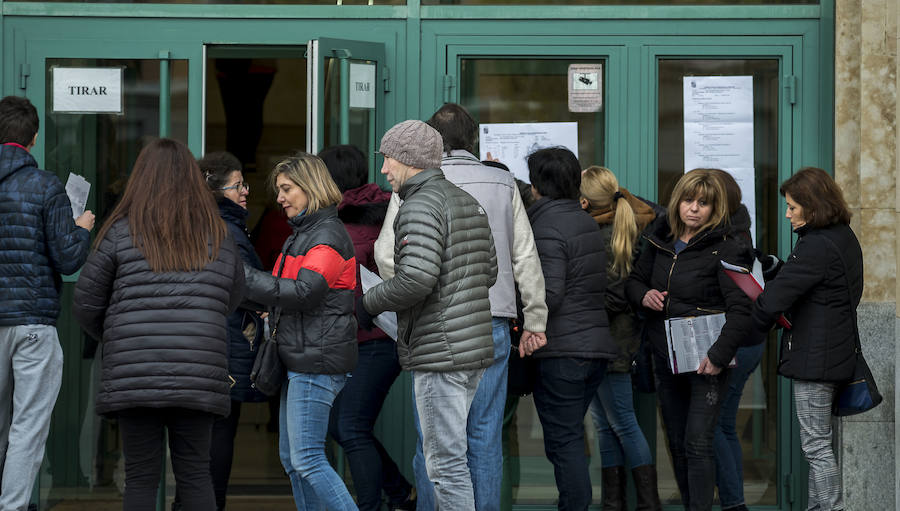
column 618, row 2
column 757, row 413
column 530, row 90
column 256, row 109
column 362, row 120
column 84, row 458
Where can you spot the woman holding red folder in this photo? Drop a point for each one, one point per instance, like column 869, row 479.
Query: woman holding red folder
column 819, row 286
column 680, row 274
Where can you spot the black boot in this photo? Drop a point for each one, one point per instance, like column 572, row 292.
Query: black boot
column 645, row 484
column 613, row 487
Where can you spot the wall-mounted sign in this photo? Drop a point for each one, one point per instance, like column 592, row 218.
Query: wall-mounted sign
column 585, row 87
column 87, row 90
column 362, row 85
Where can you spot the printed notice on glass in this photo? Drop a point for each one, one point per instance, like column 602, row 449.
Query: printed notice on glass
column 718, row 131
column 511, row 143
column 585, row 87
column 387, row 320
column 87, row 90
column 690, row 338
column 362, row 85
column 78, row 189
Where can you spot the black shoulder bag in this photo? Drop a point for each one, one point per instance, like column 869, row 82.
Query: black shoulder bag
column 268, row 373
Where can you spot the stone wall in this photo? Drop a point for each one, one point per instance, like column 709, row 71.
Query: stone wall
column 866, row 142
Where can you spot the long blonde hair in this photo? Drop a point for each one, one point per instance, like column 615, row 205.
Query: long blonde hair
column 599, row 187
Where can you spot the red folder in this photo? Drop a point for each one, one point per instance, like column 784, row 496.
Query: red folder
column 748, row 284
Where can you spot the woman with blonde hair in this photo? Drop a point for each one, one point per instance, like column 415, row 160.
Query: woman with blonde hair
column 311, row 297
column 621, row 217
column 679, row 274
column 157, row 289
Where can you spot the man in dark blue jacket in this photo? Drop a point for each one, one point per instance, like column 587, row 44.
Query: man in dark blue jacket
column 38, row 241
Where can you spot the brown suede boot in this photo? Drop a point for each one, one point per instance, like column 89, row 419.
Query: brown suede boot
column 613, row 488
column 645, row 486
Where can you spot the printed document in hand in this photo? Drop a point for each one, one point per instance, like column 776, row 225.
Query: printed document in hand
column 387, row 320
column 689, row 339
column 78, row 189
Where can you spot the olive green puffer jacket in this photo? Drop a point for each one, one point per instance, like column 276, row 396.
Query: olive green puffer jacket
column 444, row 264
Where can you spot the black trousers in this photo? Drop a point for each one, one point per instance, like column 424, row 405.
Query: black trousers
column 690, row 404
column 142, row 444
column 221, row 455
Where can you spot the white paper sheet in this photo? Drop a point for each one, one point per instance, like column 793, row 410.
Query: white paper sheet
column 690, row 338
column 718, row 131
column 387, row 320
column 78, row 189
column 511, row 143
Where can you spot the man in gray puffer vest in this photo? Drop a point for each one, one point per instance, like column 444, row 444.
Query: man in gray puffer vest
column 444, row 263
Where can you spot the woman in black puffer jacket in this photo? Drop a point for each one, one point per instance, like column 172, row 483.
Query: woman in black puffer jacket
column 311, row 294
column 819, row 287
column 680, row 274
column 157, row 289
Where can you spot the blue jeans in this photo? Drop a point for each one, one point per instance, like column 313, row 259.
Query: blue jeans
column 618, row 432
column 483, row 432
column 443, row 401
column 564, row 391
column 729, row 459
column 353, row 418
column 689, row 404
column 303, row 423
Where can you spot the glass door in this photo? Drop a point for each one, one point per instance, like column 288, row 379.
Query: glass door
column 98, row 105
column 345, row 94
column 524, row 85
column 691, row 129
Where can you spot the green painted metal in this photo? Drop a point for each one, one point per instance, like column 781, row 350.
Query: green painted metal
column 165, row 100
column 344, row 57
column 422, row 44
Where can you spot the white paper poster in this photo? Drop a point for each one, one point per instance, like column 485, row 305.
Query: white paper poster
column 511, row 143
column 87, row 90
column 718, row 131
column 362, row 85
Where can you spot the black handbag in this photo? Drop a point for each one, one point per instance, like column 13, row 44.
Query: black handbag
column 268, row 372
column 859, row 394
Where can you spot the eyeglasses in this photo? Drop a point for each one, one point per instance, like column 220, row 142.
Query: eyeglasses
column 239, row 186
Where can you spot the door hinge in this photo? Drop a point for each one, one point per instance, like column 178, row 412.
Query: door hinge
column 790, row 88
column 387, row 78
column 449, row 83
column 790, row 487
column 24, row 73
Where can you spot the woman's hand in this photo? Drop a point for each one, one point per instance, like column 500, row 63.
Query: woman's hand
column 707, row 367
column 654, row 299
column 531, row 342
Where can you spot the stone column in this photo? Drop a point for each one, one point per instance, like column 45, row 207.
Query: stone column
column 866, row 142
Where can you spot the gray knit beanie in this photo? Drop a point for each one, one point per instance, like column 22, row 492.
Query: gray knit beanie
column 413, row 143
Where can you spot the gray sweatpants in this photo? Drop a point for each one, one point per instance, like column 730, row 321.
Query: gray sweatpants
column 31, row 362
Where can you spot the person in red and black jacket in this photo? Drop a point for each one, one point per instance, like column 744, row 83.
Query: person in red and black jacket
column 356, row 408
column 311, row 297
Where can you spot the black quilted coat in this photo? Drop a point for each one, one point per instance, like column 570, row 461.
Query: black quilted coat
column 313, row 300
column 818, row 294
column 163, row 334
column 573, row 259
column 697, row 285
